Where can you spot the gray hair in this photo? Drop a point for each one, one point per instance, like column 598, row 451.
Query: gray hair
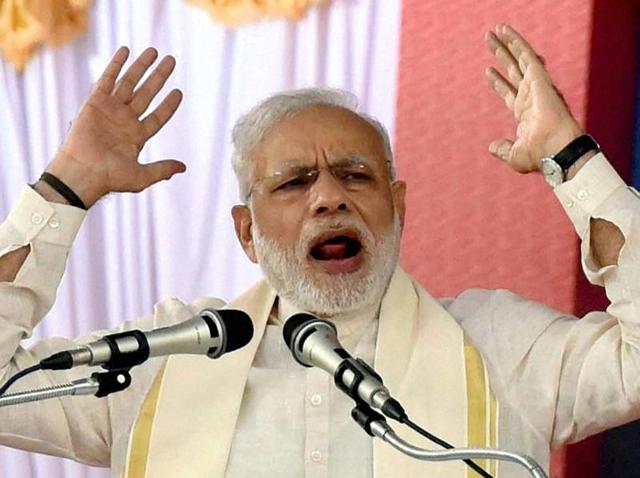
column 253, row 126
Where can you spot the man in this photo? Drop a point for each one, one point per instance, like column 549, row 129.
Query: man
column 322, row 215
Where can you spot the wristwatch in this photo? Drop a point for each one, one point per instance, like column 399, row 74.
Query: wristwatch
column 554, row 168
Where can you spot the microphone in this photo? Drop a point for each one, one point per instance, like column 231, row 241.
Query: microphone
column 211, row 333
column 314, row 343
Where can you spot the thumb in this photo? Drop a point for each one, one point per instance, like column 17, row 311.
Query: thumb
column 161, row 170
column 501, row 149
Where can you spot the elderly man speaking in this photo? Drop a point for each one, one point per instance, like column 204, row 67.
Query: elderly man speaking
column 322, row 213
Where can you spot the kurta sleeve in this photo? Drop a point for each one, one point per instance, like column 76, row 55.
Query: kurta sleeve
column 84, row 428
column 49, row 230
column 600, row 387
column 565, row 377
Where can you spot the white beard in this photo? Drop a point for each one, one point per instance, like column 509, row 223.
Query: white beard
column 321, row 293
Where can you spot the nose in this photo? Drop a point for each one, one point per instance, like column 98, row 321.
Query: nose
column 328, row 195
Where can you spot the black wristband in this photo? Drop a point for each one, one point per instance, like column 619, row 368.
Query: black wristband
column 575, row 150
column 62, row 189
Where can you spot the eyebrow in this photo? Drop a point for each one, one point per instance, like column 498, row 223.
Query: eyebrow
column 352, row 159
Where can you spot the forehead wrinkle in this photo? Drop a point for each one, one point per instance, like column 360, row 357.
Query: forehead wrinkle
column 304, row 165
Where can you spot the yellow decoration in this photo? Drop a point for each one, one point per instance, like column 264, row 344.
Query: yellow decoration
column 234, row 12
column 27, row 24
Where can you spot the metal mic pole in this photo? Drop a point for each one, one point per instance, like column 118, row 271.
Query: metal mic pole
column 375, row 425
column 99, row 384
column 383, row 431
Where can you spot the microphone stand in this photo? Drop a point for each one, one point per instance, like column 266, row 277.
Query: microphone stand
column 376, row 426
column 99, row 384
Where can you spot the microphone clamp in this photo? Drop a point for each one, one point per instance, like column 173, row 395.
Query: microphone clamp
column 119, row 358
column 349, row 377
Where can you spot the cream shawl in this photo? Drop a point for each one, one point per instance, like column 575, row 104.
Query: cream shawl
column 186, row 424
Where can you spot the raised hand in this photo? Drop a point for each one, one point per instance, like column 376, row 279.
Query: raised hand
column 544, row 123
column 100, row 152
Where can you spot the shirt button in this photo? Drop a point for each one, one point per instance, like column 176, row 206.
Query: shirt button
column 36, row 218
column 569, row 203
column 583, row 194
column 316, row 456
column 316, row 400
column 54, row 223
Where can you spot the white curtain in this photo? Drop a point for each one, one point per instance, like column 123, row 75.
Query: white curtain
column 176, row 239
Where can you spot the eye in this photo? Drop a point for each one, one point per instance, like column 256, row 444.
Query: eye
column 296, row 182
column 292, row 183
column 358, row 176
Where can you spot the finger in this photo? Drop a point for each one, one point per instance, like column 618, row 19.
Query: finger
column 126, row 84
column 529, row 61
column 502, row 86
column 517, row 45
column 509, row 35
column 501, row 149
column 160, row 170
column 504, row 56
column 110, row 74
column 512, row 153
column 163, row 113
column 143, row 96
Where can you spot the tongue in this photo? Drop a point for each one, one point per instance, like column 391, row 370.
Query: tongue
column 334, row 251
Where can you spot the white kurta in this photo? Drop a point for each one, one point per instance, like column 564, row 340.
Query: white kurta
column 557, row 379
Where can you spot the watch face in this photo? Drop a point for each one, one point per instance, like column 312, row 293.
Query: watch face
column 552, row 172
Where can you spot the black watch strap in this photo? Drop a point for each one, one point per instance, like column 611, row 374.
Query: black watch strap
column 575, row 150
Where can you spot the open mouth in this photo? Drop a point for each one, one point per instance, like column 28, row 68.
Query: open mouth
column 336, row 249
column 337, row 252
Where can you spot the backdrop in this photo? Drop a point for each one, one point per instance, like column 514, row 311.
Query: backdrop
column 177, row 238
column 471, row 221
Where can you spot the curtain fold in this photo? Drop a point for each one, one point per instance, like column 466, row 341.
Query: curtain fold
column 177, row 238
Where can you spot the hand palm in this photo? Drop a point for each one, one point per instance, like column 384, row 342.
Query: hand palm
column 100, row 153
column 544, row 122
column 112, row 137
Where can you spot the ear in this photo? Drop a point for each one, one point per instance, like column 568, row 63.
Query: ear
column 243, row 222
column 399, row 191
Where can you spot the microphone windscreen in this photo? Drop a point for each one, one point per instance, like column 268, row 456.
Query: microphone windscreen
column 239, row 328
column 293, row 323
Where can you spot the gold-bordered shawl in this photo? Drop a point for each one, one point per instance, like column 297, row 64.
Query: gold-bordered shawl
column 186, row 424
